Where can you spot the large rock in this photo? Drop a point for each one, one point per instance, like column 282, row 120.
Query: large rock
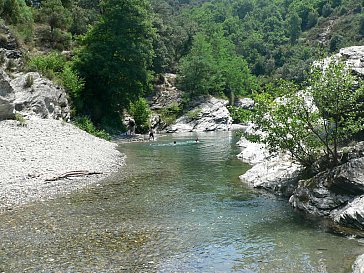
column 210, row 115
column 252, row 153
column 278, row 174
column 37, row 96
column 7, row 97
column 358, row 266
column 353, row 56
column 350, row 176
column 331, row 192
column 316, row 195
column 165, row 93
column 351, row 215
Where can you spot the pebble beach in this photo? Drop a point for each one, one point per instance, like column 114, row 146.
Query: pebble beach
column 33, row 157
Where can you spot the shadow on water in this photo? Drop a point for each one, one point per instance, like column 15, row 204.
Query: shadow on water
column 173, row 208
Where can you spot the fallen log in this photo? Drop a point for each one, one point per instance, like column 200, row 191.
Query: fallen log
column 71, row 174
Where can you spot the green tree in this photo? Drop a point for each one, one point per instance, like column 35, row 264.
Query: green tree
column 313, row 122
column 141, row 114
column 361, row 25
column 197, row 72
column 294, row 27
column 213, row 67
column 11, row 11
column 115, row 58
column 55, row 15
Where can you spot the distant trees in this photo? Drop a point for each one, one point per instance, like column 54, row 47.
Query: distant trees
column 115, row 58
column 213, row 67
column 55, row 15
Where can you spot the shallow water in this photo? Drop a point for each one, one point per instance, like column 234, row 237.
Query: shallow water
column 173, row 208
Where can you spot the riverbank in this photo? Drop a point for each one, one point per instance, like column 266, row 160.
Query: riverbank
column 33, row 159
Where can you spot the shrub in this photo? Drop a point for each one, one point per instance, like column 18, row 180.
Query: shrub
column 2, row 58
column 29, row 80
column 47, row 64
column 20, row 119
column 3, row 40
column 85, row 124
column 194, row 114
column 141, row 113
column 239, row 115
column 10, row 66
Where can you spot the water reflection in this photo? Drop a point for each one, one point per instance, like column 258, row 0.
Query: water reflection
column 174, row 208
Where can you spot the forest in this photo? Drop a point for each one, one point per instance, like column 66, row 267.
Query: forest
column 109, row 53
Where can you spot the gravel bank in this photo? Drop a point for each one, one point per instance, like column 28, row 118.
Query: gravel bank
column 45, row 149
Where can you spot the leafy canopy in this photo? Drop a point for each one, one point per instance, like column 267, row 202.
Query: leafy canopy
column 116, row 57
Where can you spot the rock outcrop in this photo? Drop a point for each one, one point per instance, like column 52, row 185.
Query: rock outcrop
column 273, row 173
column 353, row 56
column 358, row 266
column 29, row 94
column 210, row 114
column 205, row 113
column 41, row 98
column 7, row 97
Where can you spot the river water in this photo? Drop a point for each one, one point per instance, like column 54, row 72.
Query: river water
column 173, row 208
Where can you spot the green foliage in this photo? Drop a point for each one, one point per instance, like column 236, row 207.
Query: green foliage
column 20, row 119
column 317, row 121
column 335, row 42
column 361, row 25
column 140, row 111
column 294, row 27
column 10, row 65
column 212, row 67
column 74, row 84
column 48, row 65
column 194, row 114
column 55, row 66
column 85, row 124
column 55, row 15
column 240, row 115
column 11, row 11
column 169, row 114
column 115, row 57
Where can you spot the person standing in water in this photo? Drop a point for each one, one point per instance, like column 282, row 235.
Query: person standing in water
column 151, row 134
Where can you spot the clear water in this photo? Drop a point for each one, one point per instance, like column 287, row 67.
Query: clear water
column 173, row 208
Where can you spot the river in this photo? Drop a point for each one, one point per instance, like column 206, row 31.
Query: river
column 173, row 208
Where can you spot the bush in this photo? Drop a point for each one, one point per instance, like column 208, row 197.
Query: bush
column 10, row 66
column 194, row 114
column 141, row 113
column 47, row 65
column 29, row 80
column 85, row 123
column 170, row 113
column 2, row 58
column 239, row 115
